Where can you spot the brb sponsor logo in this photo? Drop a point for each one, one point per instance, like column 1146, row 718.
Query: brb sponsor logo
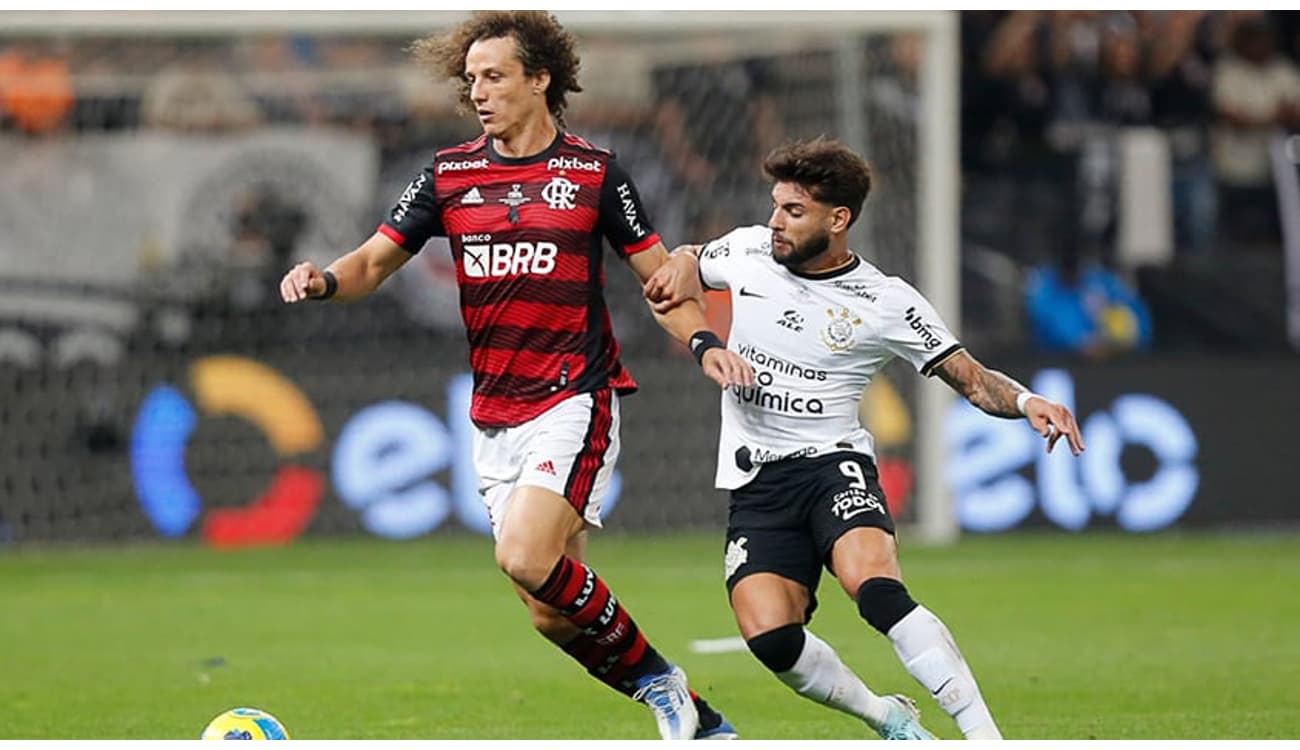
column 383, row 465
column 490, row 260
column 988, row 457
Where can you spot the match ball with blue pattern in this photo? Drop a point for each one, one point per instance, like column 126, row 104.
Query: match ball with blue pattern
column 245, row 724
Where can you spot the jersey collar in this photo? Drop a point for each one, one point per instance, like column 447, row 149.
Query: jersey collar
column 823, row 275
column 546, row 153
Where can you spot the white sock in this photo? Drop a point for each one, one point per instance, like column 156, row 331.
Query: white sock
column 927, row 649
column 819, row 675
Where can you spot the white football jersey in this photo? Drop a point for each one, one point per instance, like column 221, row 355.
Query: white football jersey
column 815, row 342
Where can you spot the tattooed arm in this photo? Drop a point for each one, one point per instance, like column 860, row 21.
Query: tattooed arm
column 988, row 390
column 995, row 393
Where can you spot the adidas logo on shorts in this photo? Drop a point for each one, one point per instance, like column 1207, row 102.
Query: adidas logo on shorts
column 547, row 467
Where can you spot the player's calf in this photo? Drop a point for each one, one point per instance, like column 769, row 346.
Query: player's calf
column 882, row 602
column 810, row 667
column 929, row 653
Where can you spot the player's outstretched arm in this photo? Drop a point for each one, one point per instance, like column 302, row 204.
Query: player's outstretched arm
column 353, row 276
column 687, row 324
column 676, row 281
column 995, row 393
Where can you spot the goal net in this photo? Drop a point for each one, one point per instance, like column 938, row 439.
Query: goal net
column 164, row 168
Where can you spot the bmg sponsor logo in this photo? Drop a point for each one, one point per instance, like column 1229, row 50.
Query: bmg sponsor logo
column 922, row 328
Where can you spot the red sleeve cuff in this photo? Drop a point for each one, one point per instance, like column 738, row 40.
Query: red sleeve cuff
column 392, row 234
column 650, row 241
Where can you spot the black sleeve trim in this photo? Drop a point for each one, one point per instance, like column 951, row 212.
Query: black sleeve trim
column 416, row 216
column 944, row 356
column 625, row 230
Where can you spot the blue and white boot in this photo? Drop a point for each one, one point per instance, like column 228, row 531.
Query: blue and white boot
column 669, row 698
column 903, row 721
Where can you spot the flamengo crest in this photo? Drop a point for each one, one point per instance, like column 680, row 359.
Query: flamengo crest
column 559, row 194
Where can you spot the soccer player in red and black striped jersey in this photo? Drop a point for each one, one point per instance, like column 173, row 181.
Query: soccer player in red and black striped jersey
column 526, row 206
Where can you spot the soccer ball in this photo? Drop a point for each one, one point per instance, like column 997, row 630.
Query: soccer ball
column 245, row 724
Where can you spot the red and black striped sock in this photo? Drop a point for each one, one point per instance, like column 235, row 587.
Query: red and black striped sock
column 600, row 661
column 610, row 645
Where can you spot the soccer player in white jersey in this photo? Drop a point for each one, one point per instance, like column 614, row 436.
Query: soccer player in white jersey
column 817, row 322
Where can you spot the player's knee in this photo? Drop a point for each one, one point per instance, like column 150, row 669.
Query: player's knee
column 778, row 649
column 882, row 602
column 523, row 565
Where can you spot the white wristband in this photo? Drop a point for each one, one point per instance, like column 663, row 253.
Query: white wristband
column 1023, row 398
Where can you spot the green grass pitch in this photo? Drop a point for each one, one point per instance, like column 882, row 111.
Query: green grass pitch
column 1070, row 637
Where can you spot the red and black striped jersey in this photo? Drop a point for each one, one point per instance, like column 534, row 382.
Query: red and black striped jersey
column 526, row 238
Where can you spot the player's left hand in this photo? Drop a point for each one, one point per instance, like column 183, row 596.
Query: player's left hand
column 726, row 368
column 676, row 281
column 1052, row 421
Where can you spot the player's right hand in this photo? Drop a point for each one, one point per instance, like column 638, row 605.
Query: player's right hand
column 727, row 369
column 676, row 281
column 303, row 281
column 1054, row 421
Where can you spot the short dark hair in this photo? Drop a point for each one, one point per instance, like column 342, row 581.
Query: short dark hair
column 831, row 172
column 542, row 44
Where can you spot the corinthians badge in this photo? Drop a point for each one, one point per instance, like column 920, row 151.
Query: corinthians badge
column 838, row 333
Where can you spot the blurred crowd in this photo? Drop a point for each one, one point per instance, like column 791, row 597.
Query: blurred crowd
column 1046, row 97
column 208, row 84
column 1042, row 88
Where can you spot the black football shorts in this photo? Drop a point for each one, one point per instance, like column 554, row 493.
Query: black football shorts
column 787, row 519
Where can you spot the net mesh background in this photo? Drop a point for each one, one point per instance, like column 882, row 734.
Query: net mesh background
column 149, row 227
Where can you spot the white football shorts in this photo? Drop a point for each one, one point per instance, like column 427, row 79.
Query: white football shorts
column 569, row 449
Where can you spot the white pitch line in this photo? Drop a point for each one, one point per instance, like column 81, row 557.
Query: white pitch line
column 718, row 645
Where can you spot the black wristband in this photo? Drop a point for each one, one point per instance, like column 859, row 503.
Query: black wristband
column 331, row 286
column 702, row 341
